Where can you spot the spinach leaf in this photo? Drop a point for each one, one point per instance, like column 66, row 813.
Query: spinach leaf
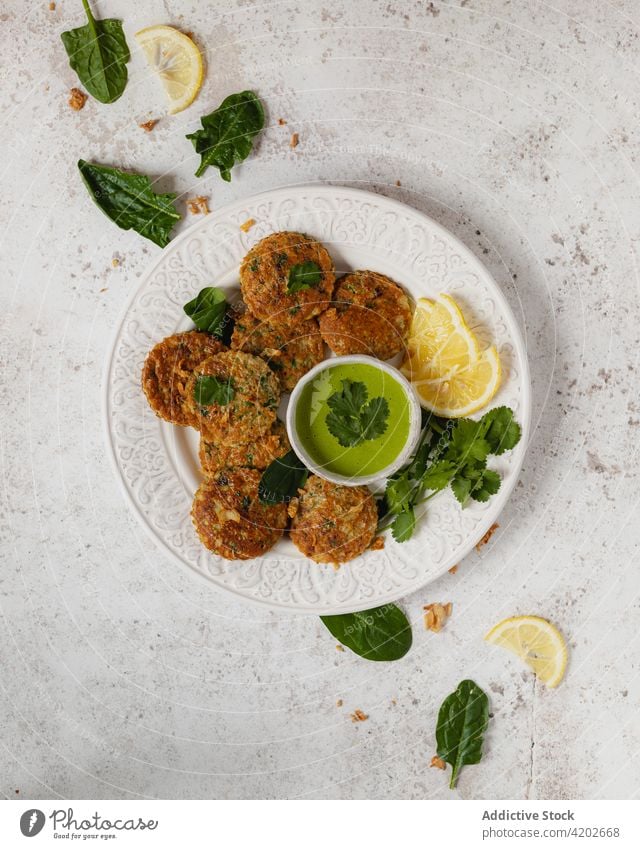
column 382, row 633
column 129, row 201
column 207, row 310
column 212, row 390
column 462, row 721
column 282, row 479
column 227, row 134
column 303, row 276
column 98, row 53
column 352, row 419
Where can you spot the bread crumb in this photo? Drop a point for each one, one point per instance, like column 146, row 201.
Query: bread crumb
column 485, row 539
column 377, row 544
column 52, row 8
column 115, row 262
column 339, row 703
column 77, row 99
column 394, row 701
column 339, row 647
column 336, row 567
column 398, row 183
column 149, row 125
column 294, row 141
column 359, row 716
column 188, row 33
column 437, row 762
column 436, row 615
column 103, row 290
column 282, row 122
column 248, row 224
column 453, row 569
column 198, row 205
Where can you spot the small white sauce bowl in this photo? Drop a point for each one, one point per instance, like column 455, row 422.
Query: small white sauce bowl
column 415, row 421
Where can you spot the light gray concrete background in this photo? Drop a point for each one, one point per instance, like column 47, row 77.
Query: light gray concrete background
column 515, row 125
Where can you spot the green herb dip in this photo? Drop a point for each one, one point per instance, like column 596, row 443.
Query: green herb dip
column 370, row 456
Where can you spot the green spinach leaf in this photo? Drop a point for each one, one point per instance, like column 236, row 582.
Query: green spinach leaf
column 282, row 479
column 98, row 53
column 208, row 310
column 382, row 633
column 462, row 721
column 303, row 276
column 227, row 134
column 129, row 201
column 212, row 390
column 352, row 419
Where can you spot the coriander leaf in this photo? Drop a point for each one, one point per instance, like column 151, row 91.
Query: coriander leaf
column 346, row 430
column 212, row 390
column 462, row 721
column 461, row 487
column 404, row 526
column 501, row 431
column 304, row 276
column 98, row 53
column 380, row 634
column 130, row 202
column 207, row 310
column 438, row 476
column 282, row 479
column 227, row 133
column 467, row 441
column 398, row 493
column 373, row 417
column 350, row 399
column 486, row 486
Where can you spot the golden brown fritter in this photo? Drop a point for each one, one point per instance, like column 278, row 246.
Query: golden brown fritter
column 254, row 455
column 167, row 369
column 289, row 349
column 333, row 523
column 370, row 314
column 245, row 408
column 230, row 518
column 265, row 281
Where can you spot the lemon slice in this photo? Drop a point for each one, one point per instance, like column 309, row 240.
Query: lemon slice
column 177, row 61
column 439, row 339
column 452, row 377
column 537, row 642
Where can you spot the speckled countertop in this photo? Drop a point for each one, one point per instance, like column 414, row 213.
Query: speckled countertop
column 515, row 125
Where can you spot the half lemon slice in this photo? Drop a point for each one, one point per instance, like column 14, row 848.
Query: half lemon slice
column 461, row 391
column 177, row 61
column 535, row 641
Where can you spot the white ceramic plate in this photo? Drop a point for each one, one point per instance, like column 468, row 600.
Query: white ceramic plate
column 157, row 462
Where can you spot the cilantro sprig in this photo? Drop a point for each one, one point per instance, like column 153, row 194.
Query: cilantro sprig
column 353, row 418
column 454, row 453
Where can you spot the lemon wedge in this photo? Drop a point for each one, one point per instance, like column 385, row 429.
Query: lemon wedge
column 535, row 641
column 177, row 61
column 450, row 373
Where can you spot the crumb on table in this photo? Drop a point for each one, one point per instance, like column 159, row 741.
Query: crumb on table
column 197, row 205
column 453, row 569
column 248, row 224
column 339, row 703
column 294, row 141
column 436, row 615
column 77, row 99
column 359, row 716
column 398, row 183
column 115, row 262
column 281, row 121
column 52, row 8
column 377, row 544
column 437, row 762
column 485, row 539
column 147, row 126
column 339, row 647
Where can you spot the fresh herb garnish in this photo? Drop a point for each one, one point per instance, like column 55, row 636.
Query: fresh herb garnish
column 282, row 479
column 208, row 311
column 452, row 452
column 382, row 633
column 129, row 201
column 462, row 721
column 98, row 53
column 353, row 418
column 227, row 134
column 212, row 390
column 303, row 276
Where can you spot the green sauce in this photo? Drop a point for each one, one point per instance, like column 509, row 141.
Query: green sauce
column 370, row 456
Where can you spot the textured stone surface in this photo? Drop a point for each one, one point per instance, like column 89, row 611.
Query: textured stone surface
column 514, row 125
